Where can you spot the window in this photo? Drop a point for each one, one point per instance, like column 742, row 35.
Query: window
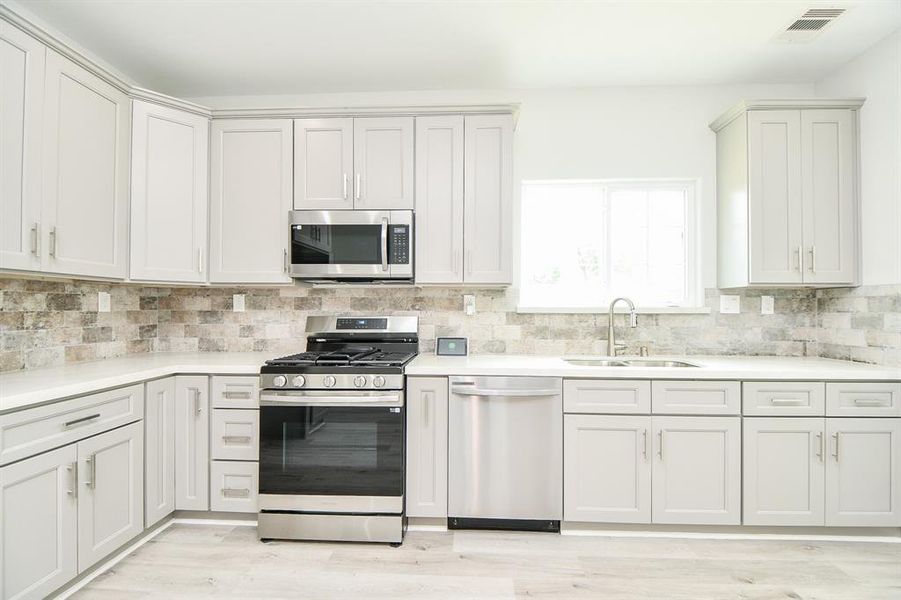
column 587, row 242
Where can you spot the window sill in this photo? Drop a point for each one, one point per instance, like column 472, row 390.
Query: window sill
column 642, row 310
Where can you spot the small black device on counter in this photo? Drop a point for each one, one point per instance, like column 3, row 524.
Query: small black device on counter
column 452, row 346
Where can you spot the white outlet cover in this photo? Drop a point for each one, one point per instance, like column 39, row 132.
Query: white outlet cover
column 469, row 304
column 767, row 305
column 238, row 302
column 104, row 302
column 730, row 305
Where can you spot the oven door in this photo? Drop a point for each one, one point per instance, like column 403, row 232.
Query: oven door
column 332, row 451
column 352, row 244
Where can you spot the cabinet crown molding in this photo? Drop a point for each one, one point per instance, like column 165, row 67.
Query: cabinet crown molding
column 784, row 104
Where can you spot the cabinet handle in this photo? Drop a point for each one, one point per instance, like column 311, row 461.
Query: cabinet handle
column 196, row 401
column 236, row 492
column 786, row 401
column 236, row 439
column 81, row 420
column 345, row 185
column 820, row 445
column 53, row 241
column 644, row 445
column 660, row 450
column 813, row 259
column 232, row 395
column 200, row 260
column 468, row 265
column 357, row 186
column 92, row 462
column 835, row 452
column 425, row 409
column 73, row 487
column 800, row 258
column 35, row 239
column 870, row 402
column 285, row 259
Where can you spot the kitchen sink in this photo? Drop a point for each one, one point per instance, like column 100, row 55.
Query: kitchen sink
column 630, row 362
column 595, row 362
column 657, row 363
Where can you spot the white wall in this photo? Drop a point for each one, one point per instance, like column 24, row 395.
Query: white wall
column 616, row 132
column 876, row 75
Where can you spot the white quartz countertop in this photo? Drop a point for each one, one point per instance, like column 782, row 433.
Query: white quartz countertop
column 709, row 367
column 24, row 389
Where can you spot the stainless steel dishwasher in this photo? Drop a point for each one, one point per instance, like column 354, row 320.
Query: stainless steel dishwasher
column 505, row 445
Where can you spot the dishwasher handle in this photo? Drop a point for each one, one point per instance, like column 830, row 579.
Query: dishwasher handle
column 465, row 390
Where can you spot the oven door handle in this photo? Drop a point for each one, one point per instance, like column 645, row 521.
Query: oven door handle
column 356, row 400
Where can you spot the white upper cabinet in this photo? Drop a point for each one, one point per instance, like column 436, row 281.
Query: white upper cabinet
column 251, row 179
column 488, row 199
column 787, row 198
column 323, row 164
column 439, row 199
column 85, row 172
column 22, row 243
column 383, row 163
column 168, row 194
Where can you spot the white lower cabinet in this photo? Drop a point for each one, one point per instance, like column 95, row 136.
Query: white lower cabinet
column 784, row 473
column 606, row 469
column 426, row 494
column 234, row 486
column 192, row 442
column 863, row 472
column 39, row 524
column 110, row 492
column 697, row 470
column 159, row 450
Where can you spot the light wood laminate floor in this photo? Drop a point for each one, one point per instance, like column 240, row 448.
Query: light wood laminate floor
column 218, row 561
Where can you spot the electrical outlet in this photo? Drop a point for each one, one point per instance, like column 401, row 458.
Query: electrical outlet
column 767, row 305
column 104, row 302
column 730, row 305
column 238, row 302
column 469, row 304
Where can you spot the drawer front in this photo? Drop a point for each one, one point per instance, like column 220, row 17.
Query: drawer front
column 235, row 391
column 235, row 434
column 878, row 399
column 784, row 398
column 234, row 486
column 696, row 397
column 36, row 430
column 596, row 396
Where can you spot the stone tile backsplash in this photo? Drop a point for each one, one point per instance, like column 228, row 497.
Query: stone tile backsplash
column 45, row 323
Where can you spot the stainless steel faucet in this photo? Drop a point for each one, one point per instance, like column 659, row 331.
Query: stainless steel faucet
column 612, row 346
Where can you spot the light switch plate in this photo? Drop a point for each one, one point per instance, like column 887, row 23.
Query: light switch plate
column 469, row 304
column 238, row 302
column 730, row 305
column 104, row 302
column 767, row 305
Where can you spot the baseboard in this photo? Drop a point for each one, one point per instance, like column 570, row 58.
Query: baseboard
column 891, row 535
column 426, row 524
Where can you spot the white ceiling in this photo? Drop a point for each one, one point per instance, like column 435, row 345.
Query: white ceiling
column 194, row 48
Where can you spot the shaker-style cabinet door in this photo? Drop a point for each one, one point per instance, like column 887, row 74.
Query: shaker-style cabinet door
column 86, row 150
column 488, row 199
column 383, row 163
column 774, row 197
column 22, row 237
column 38, row 524
column 606, row 469
column 439, row 199
column 863, row 472
column 323, row 164
column 251, row 175
column 110, row 492
column 829, row 167
column 159, row 451
column 784, row 471
column 168, row 194
column 192, row 442
column 426, row 494
column 697, row 470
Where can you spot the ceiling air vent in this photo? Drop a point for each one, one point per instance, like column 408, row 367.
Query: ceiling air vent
column 809, row 25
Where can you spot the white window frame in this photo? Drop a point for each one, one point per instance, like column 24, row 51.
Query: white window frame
column 694, row 300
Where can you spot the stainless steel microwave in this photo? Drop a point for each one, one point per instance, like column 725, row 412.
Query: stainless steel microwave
column 352, row 245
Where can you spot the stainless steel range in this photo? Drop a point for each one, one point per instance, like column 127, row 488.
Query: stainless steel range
column 332, row 432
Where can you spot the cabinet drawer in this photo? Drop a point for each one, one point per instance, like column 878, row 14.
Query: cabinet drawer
column 234, row 434
column 235, row 391
column 234, row 486
column 606, row 396
column 696, row 397
column 878, row 399
column 35, row 430
column 784, row 398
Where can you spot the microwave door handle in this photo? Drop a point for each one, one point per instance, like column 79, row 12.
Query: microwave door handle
column 384, row 244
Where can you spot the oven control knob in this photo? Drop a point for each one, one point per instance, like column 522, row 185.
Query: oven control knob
column 329, row 381
column 359, row 381
column 378, row 381
column 279, row 381
column 298, row 381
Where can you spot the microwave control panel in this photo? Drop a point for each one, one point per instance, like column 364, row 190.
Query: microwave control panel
column 400, row 244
